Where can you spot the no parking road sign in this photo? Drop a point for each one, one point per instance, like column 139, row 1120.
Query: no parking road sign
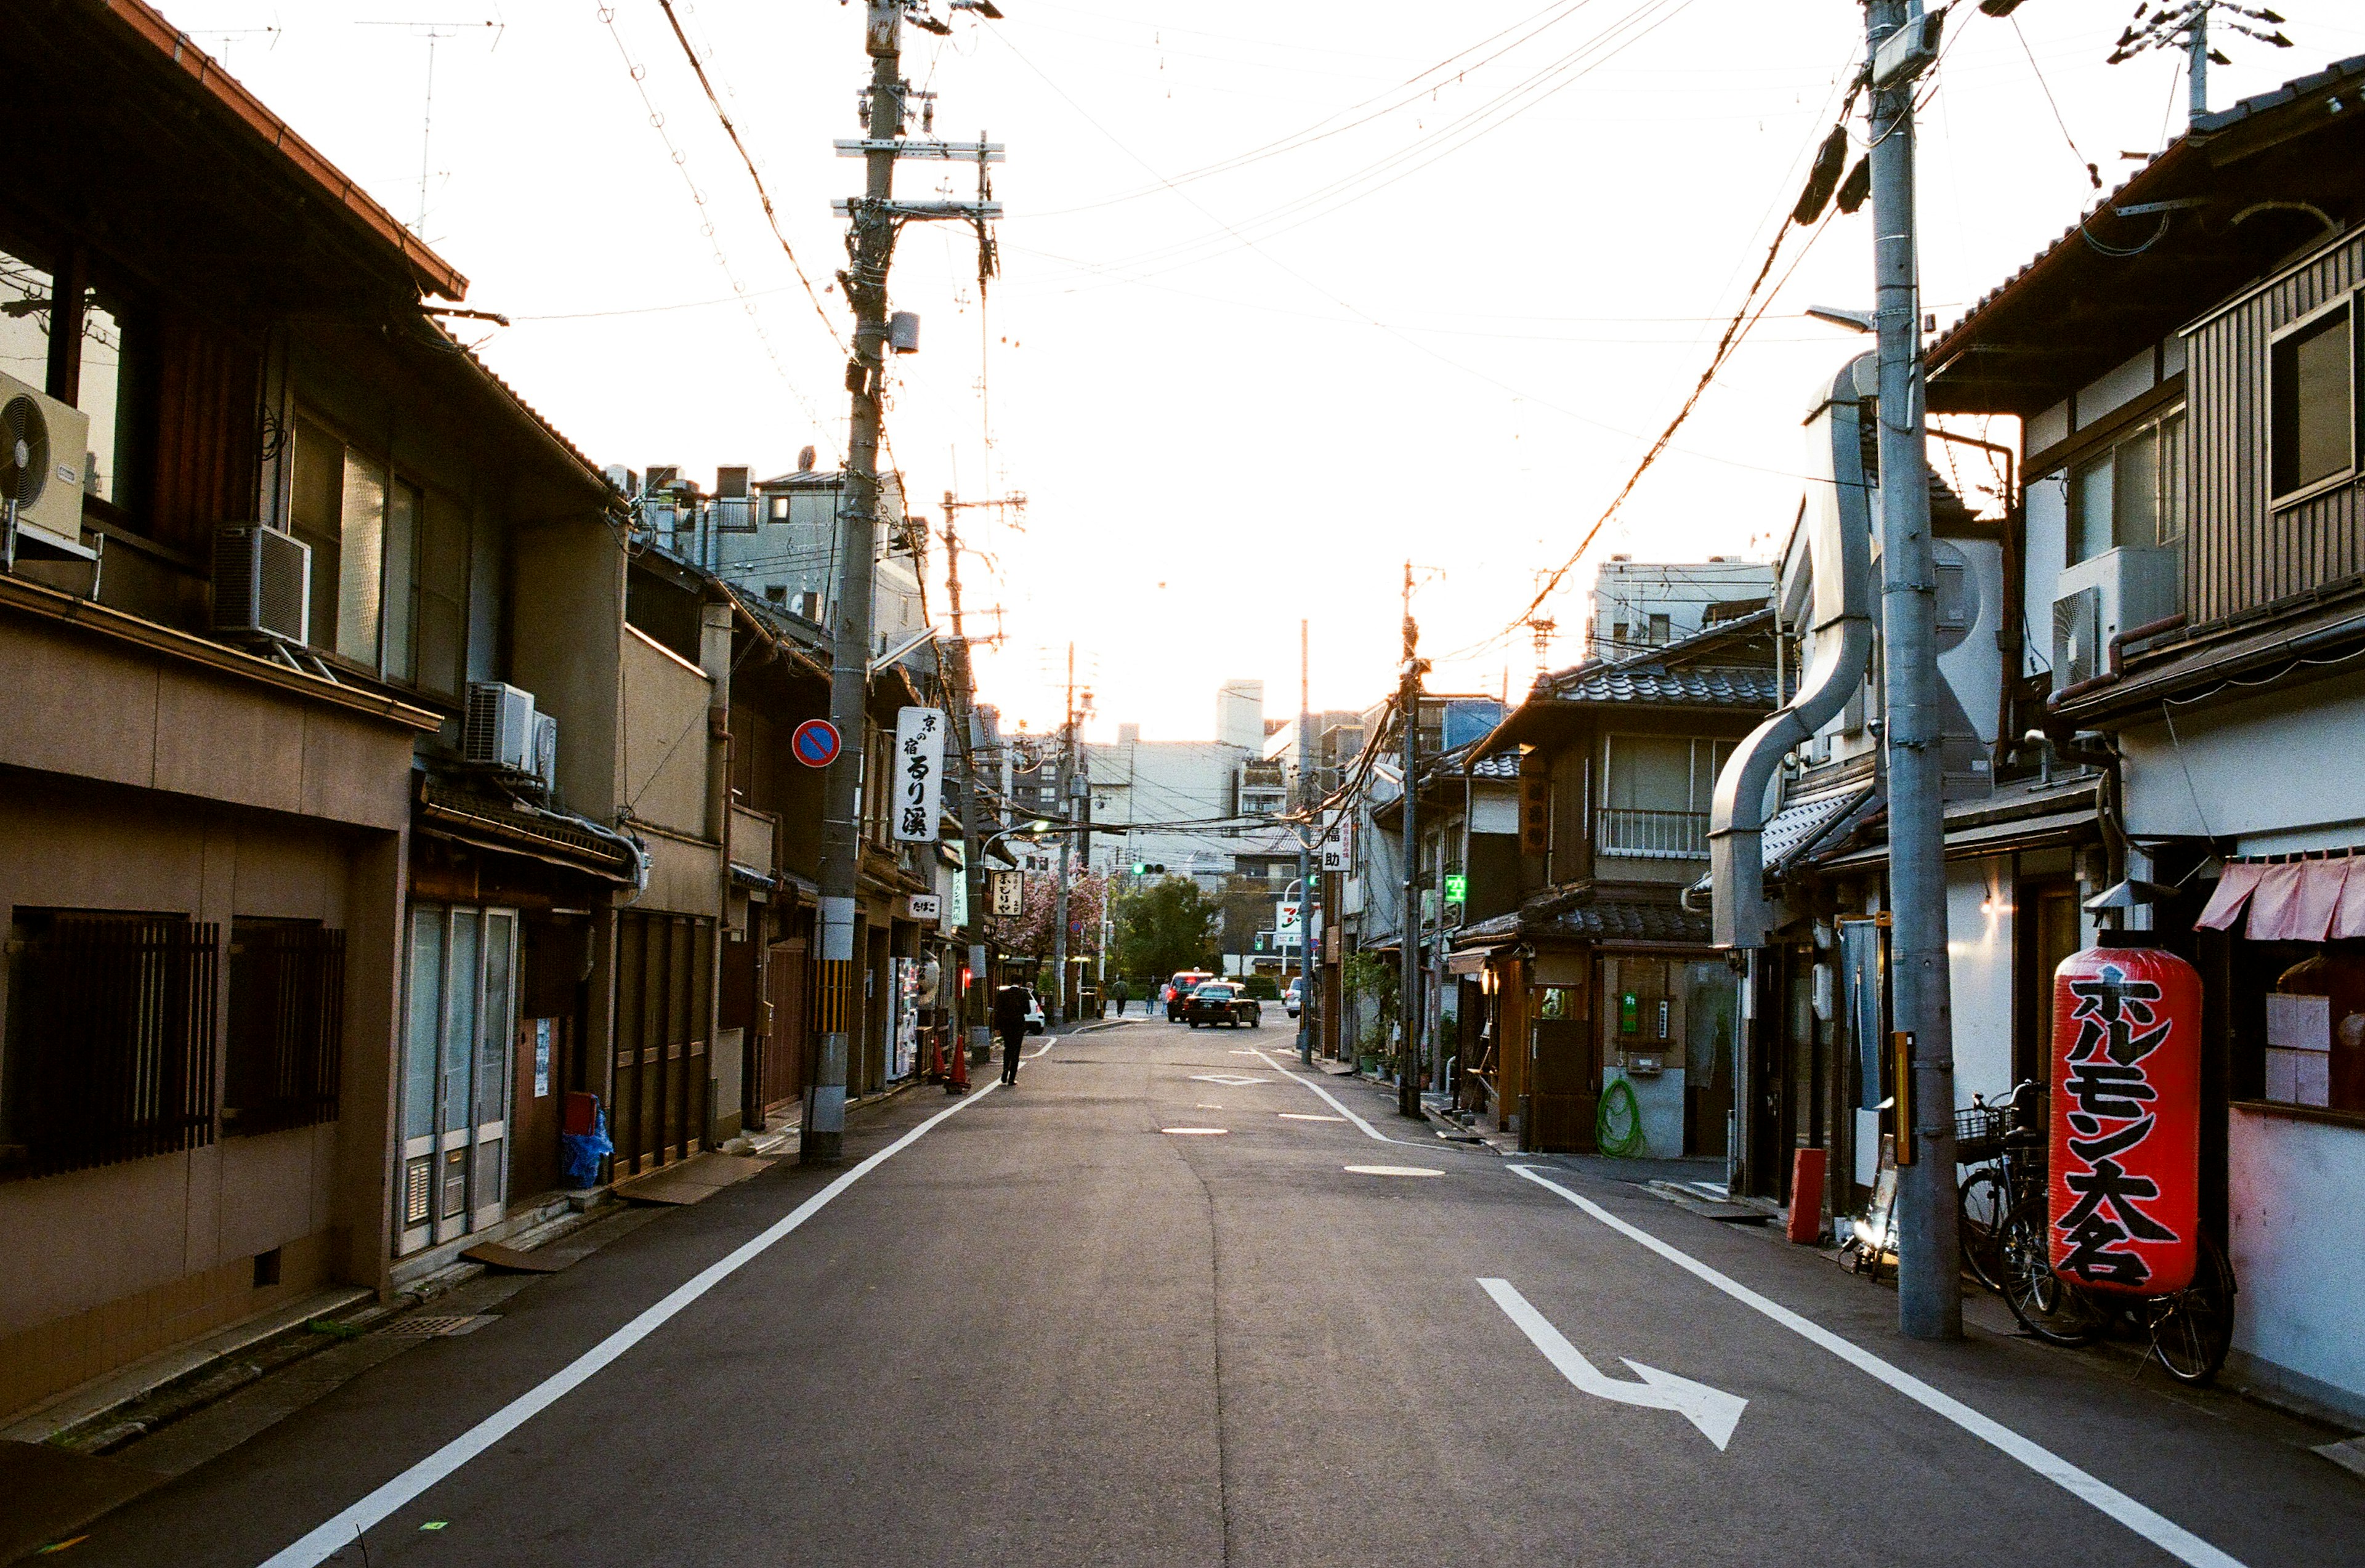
column 815, row 743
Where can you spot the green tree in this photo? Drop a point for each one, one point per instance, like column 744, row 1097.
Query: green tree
column 1166, row 926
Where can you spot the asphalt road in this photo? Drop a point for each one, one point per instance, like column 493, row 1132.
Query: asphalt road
column 1051, row 1328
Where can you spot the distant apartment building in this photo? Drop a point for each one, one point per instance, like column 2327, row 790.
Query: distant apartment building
column 1639, row 605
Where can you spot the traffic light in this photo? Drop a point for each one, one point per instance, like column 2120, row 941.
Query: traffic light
column 1148, row 869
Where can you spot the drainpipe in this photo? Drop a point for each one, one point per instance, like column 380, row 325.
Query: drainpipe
column 714, row 629
column 1840, row 547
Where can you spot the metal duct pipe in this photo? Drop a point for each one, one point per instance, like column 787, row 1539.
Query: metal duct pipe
column 1840, row 545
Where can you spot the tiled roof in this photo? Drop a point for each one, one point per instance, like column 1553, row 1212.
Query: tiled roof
column 1797, row 826
column 1647, row 681
column 1577, row 912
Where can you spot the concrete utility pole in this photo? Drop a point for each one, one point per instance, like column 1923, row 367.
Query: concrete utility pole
column 1408, row 928
column 1306, row 801
column 1929, row 1293
column 870, row 248
column 977, row 1028
column 1067, row 853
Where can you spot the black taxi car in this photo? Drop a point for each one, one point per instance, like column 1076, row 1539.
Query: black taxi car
column 1222, row 1002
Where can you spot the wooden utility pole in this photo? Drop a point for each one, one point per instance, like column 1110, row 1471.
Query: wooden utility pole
column 1066, row 852
column 876, row 219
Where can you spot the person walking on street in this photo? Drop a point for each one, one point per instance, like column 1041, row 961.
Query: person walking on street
column 1120, row 995
column 1010, row 1023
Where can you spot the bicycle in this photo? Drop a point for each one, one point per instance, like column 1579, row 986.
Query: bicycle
column 2001, row 1144
column 2189, row 1330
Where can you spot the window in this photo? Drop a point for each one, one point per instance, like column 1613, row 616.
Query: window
column 389, row 565
column 109, row 1050
column 1661, row 629
column 2131, row 495
column 286, row 1026
column 26, row 310
column 1656, row 802
column 2314, row 421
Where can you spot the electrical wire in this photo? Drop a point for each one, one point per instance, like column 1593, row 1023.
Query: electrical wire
column 770, row 216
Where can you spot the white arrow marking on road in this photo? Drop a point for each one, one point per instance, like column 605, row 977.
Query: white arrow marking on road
column 1712, row 1410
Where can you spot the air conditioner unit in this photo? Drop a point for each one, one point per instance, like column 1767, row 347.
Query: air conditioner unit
column 44, row 445
column 2097, row 600
column 497, row 729
column 263, row 585
column 545, row 750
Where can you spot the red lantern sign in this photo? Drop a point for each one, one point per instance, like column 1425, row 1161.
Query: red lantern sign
column 2125, row 1207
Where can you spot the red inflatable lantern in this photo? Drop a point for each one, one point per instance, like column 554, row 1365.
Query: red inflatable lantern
column 2125, row 1175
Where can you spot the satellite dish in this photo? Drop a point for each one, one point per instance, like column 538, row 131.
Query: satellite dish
column 806, row 460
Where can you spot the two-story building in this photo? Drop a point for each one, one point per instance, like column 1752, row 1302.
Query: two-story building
column 1601, row 974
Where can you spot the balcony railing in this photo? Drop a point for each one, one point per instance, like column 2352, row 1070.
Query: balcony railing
column 1651, row 836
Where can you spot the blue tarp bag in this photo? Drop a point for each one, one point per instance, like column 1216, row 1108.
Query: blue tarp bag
column 580, row 1153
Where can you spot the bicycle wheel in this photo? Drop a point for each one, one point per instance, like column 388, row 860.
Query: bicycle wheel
column 2048, row 1306
column 1984, row 1201
column 2196, row 1328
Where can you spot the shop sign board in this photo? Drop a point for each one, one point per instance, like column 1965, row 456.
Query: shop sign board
column 2126, row 1170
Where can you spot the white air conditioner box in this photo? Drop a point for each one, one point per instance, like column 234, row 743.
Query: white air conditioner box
column 2096, row 600
column 545, row 750
column 263, row 584
column 497, row 729
column 44, row 445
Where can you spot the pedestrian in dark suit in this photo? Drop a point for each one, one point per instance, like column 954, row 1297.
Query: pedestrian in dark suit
column 1120, row 993
column 1010, row 1023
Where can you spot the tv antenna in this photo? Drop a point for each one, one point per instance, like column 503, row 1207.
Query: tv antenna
column 434, row 33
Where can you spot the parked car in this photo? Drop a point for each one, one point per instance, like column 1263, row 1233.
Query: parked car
column 1035, row 1023
column 1291, row 998
column 1179, row 989
column 1221, row 1001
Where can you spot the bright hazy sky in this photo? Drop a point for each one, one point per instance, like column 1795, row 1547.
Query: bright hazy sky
column 1440, row 327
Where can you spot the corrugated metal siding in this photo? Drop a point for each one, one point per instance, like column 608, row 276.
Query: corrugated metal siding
column 2240, row 554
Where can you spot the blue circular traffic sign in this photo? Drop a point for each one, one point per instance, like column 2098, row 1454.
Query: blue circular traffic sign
column 816, row 742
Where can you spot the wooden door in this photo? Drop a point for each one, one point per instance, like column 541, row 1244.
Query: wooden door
column 787, row 983
column 1567, row 1067
column 664, row 1003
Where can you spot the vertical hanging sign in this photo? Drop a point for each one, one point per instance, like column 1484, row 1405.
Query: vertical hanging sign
column 919, row 774
column 2127, row 1120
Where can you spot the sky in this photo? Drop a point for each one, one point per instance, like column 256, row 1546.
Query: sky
column 1289, row 295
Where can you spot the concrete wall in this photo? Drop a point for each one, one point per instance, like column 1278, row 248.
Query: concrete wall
column 566, row 649
column 662, row 759
column 2313, row 786
column 1979, row 967
column 2298, row 1247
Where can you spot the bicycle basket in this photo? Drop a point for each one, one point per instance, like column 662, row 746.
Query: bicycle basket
column 1978, row 1133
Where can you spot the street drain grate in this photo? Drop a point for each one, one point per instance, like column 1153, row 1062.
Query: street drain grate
column 417, row 1326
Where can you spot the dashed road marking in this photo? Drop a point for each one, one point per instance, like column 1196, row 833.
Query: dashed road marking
column 1394, row 1170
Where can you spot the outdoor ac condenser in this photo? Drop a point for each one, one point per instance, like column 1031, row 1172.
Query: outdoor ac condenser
column 43, row 448
column 497, row 730
column 263, row 585
column 546, row 752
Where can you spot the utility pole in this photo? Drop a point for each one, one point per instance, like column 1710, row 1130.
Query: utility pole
column 1066, row 852
column 1305, row 800
column 1929, row 1279
column 1409, row 985
column 978, row 1026
column 870, row 247
column 976, row 1035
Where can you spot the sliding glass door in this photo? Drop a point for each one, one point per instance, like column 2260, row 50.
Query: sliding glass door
column 459, row 1020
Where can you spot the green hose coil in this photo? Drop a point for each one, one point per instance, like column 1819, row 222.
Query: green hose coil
column 1606, row 1137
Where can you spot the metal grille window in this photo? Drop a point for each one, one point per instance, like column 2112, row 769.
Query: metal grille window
column 110, row 1041
column 286, row 1026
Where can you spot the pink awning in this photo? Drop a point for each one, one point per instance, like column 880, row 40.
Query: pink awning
column 2349, row 919
column 2295, row 900
column 2241, row 879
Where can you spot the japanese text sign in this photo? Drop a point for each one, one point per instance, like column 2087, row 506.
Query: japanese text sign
column 917, row 778
column 2125, row 1203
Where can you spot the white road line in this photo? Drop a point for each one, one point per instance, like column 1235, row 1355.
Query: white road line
column 1369, row 1130
column 1712, row 1410
column 2168, row 1536
column 338, row 1532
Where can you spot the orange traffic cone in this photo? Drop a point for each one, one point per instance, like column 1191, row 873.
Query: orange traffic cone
column 957, row 1082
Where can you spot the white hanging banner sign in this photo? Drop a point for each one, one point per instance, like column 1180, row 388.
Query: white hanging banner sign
column 919, row 774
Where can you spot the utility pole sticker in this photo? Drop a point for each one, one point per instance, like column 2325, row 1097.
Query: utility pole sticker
column 919, row 781
column 2125, row 1168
